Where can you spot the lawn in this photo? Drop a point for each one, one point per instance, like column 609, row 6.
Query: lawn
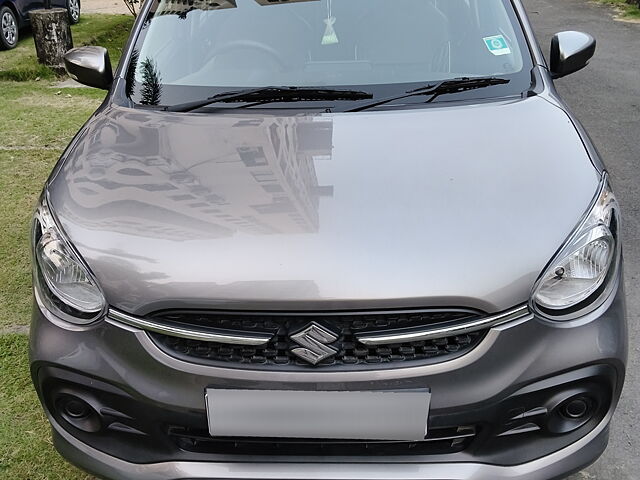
column 37, row 121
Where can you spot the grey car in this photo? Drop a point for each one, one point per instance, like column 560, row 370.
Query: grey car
column 330, row 239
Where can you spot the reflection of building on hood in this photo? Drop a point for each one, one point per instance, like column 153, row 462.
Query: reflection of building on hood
column 280, row 2
column 181, row 7
column 253, row 176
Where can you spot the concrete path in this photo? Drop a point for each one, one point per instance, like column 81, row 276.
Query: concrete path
column 103, row 6
column 606, row 98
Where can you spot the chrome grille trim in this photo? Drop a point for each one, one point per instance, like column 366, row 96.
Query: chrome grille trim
column 192, row 333
column 438, row 331
column 429, row 332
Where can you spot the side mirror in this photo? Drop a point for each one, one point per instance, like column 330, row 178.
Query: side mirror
column 570, row 52
column 90, row 66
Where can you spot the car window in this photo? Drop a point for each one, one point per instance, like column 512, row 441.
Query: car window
column 255, row 43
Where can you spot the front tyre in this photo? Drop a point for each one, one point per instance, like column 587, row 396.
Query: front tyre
column 8, row 29
column 73, row 7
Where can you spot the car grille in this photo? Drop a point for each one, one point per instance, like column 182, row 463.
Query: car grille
column 439, row 441
column 278, row 351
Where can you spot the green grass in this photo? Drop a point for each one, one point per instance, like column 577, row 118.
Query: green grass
column 109, row 31
column 37, row 121
column 626, row 10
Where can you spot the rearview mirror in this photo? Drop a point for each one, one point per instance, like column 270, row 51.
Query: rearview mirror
column 570, row 52
column 90, row 66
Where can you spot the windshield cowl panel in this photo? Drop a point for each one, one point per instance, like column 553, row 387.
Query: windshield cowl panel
column 191, row 52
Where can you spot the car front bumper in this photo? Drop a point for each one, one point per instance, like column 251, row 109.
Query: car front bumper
column 519, row 367
column 557, row 465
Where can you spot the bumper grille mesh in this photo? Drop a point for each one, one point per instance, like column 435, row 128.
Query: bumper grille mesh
column 278, row 352
column 439, row 441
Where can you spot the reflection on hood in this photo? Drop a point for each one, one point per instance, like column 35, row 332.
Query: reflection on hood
column 292, row 211
column 254, row 176
column 182, row 7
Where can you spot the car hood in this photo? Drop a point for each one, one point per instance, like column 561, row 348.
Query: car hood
column 443, row 206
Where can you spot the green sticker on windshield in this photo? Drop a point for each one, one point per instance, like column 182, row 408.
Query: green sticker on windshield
column 497, row 45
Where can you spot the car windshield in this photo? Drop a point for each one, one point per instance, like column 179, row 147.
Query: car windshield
column 192, row 49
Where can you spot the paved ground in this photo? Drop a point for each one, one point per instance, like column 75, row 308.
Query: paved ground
column 606, row 98
column 104, row 6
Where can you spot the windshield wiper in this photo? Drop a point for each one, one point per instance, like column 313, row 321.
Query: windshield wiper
column 258, row 96
column 455, row 85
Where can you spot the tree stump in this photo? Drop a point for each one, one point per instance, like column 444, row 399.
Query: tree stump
column 52, row 36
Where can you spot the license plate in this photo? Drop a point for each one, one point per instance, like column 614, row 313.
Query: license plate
column 365, row 415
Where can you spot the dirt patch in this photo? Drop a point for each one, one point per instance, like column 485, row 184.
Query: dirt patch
column 59, row 99
column 14, row 329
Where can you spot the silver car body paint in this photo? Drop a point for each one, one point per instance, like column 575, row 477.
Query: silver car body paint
column 541, row 469
column 164, row 224
column 512, row 354
column 375, row 210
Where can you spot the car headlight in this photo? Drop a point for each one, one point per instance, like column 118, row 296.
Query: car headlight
column 63, row 282
column 580, row 276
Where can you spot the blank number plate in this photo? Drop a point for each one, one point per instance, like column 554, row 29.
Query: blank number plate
column 366, row 415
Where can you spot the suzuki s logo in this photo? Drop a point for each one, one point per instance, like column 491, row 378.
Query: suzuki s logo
column 314, row 343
